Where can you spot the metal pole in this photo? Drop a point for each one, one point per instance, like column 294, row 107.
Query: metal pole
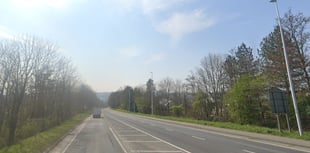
column 289, row 72
column 129, row 100
column 288, row 123
column 278, row 121
column 152, row 107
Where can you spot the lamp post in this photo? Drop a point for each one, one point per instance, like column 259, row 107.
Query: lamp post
column 152, row 106
column 288, row 70
column 129, row 102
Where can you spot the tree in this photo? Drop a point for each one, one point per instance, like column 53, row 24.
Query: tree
column 245, row 60
column 38, row 88
column 245, row 101
column 114, row 99
column 201, row 108
column 139, row 99
column 191, row 81
column 295, row 25
column 166, row 86
column 211, row 80
column 240, row 62
column 231, row 70
column 272, row 58
column 22, row 56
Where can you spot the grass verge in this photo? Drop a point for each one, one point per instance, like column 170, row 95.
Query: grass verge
column 234, row 126
column 40, row 142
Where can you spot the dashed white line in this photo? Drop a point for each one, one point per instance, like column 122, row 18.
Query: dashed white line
column 233, row 136
column 199, row 138
column 244, row 150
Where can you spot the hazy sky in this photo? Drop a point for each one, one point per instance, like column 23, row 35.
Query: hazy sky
column 115, row 43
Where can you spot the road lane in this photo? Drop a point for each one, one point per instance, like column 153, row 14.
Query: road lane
column 120, row 132
column 196, row 140
column 92, row 136
column 136, row 140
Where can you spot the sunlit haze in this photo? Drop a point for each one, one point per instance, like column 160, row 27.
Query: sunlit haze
column 114, row 43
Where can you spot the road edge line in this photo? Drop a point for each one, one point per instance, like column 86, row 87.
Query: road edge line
column 153, row 136
column 79, row 131
column 226, row 134
column 119, row 142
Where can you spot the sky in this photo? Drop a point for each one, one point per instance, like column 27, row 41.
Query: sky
column 114, row 43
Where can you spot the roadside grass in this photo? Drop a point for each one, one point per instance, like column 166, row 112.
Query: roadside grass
column 40, row 142
column 233, row 126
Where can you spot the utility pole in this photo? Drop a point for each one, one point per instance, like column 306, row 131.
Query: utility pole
column 152, row 106
column 288, row 71
column 129, row 99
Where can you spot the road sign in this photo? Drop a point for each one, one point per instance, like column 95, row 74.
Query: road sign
column 278, row 101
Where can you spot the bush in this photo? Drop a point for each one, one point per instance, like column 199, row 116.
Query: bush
column 177, row 110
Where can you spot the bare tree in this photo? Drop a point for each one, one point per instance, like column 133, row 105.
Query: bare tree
column 38, row 87
column 191, row 81
column 22, row 57
column 165, row 87
column 212, row 80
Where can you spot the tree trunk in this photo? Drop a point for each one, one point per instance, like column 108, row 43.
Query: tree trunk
column 13, row 122
column 12, row 128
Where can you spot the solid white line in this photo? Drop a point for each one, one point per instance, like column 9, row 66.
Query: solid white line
column 248, row 151
column 199, row 138
column 123, row 148
column 153, row 151
column 287, row 146
column 153, row 136
column 73, row 138
column 277, row 145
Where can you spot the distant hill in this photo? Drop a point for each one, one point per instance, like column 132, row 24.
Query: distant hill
column 103, row 96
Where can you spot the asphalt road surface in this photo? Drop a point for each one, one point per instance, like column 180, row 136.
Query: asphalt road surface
column 118, row 132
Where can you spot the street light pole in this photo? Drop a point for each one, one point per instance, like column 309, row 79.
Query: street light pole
column 152, row 106
column 129, row 105
column 288, row 71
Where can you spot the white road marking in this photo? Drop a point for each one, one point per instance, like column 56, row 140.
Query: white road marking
column 153, row 137
column 199, row 138
column 123, row 148
column 277, row 145
column 286, row 146
column 73, row 138
column 153, row 151
column 258, row 147
column 248, row 151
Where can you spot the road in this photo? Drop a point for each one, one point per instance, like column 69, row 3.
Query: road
column 119, row 132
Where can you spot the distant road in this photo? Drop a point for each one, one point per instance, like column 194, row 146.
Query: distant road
column 120, row 132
